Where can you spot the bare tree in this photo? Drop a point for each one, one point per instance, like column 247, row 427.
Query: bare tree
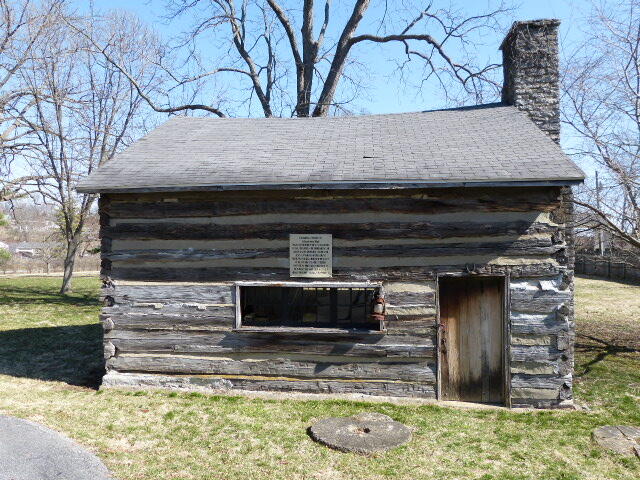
column 84, row 111
column 601, row 107
column 23, row 28
column 272, row 53
column 51, row 251
column 29, row 221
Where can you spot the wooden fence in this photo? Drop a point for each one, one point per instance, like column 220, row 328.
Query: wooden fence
column 34, row 265
column 613, row 268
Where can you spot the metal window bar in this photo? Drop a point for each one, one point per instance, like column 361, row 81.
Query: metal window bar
column 334, row 307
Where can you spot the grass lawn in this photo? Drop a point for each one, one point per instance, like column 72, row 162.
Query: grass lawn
column 50, row 358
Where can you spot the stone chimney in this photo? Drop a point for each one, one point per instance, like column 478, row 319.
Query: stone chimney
column 531, row 72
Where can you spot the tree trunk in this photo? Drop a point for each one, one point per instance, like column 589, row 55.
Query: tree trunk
column 69, row 262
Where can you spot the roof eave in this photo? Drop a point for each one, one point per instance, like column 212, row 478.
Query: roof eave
column 335, row 186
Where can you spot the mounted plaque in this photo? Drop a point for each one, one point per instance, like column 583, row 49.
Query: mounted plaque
column 310, row 255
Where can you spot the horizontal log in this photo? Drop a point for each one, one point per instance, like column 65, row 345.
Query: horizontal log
column 206, row 294
column 480, row 194
column 538, row 305
column 344, row 265
column 535, row 368
column 532, row 339
column 558, row 367
column 201, row 274
column 534, row 353
column 416, row 371
column 538, row 324
column 540, row 381
column 396, row 329
column 221, row 274
column 266, row 244
column 351, row 231
column 556, row 403
column 531, row 270
column 423, row 310
column 409, row 322
column 558, row 296
column 164, row 321
column 524, row 396
column 260, row 336
column 350, row 218
column 418, row 287
column 382, row 387
column 533, row 286
column 184, row 309
column 513, row 248
column 220, row 383
column 410, row 298
column 349, row 344
column 250, row 205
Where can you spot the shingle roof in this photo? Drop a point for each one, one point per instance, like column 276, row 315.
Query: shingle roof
column 481, row 145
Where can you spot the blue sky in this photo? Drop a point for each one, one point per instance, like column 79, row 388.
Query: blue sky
column 386, row 94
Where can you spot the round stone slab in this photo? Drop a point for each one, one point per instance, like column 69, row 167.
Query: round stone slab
column 29, row 451
column 365, row 433
column 622, row 439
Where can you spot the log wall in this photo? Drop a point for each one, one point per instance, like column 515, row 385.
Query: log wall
column 170, row 262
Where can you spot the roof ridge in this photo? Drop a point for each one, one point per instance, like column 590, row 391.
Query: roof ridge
column 389, row 114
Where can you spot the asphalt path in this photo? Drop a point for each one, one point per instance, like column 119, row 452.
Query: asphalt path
column 29, row 451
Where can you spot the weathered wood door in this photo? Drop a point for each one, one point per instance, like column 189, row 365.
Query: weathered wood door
column 471, row 339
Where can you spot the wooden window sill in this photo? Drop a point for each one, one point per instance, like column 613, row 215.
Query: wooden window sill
column 309, row 330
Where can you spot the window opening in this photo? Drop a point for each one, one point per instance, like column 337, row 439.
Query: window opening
column 316, row 307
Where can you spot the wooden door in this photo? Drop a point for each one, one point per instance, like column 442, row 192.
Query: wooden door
column 471, row 339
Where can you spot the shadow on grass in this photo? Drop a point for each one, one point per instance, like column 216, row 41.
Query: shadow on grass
column 70, row 354
column 602, row 349
column 12, row 294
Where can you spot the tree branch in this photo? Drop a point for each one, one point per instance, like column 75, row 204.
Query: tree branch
column 136, row 85
column 295, row 51
column 238, row 32
column 339, row 59
column 609, row 225
column 404, row 38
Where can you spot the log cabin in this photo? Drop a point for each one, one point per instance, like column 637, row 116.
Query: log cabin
column 423, row 254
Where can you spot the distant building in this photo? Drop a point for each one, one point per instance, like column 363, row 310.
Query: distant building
column 29, row 249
